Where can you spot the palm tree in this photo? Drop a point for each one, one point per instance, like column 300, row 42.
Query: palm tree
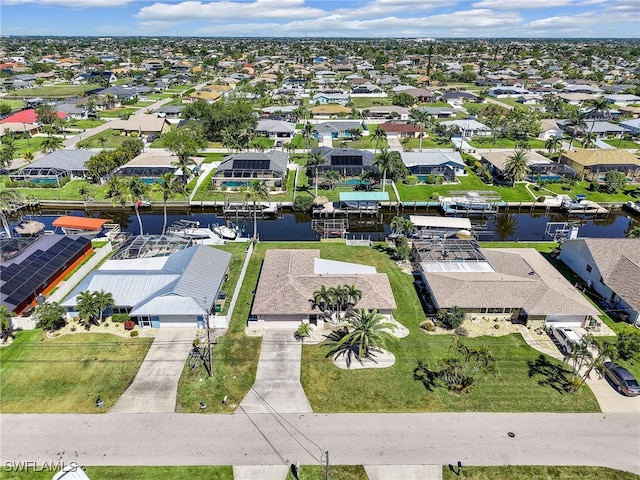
column 354, row 134
column 599, row 108
column 354, row 294
column 383, row 161
column 633, row 232
column 322, row 298
column 552, row 144
column 8, row 201
column 255, row 192
column 6, row 326
column 308, row 131
column 589, row 139
column 87, row 307
column 421, row 117
column 50, row 144
column 367, row 333
column 577, row 120
column 103, row 301
column 28, row 155
column 115, row 190
column 379, row 137
column 169, row 186
column 315, row 159
column 135, row 190
column 332, row 177
column 516, row 166
column 184, row 163
column 339, row 298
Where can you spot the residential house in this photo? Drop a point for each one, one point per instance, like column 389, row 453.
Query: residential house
column 34, row 266
column 170, row 112
column 623, row 100
column 539, row 165
column 469, row 128
column 421, row 94
column 330, row 98
column 550, row 129
column 400, row 129
column 241, row 168
column 458, row 98
column 143, row 125
column 207, row 96
column 329, row 111
column 350, row 162
column 438, row 112
column 18, row 128
column 276, row 129
column 631, row 126
column 54, row 167
column 594, row 163
column 493, row 284
column 388, row 112
column 339, row 128
column 28, row 116
column 434, row 162
column 152, row 164
column 508, row 91
column 289, row 278
column 176, row 290
column 604, row 129
column 610, row 267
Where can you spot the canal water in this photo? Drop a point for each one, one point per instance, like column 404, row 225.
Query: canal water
column 296, row 226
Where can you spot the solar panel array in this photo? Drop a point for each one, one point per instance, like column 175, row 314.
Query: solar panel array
column 346, row 160
column 246, row 164
column 25, row 279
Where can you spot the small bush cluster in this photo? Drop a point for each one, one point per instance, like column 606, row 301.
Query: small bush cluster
column 410, row 180
column 134, row 333
column 461, row 332
column 428, row 326
column 129, row 325
column 120, row 317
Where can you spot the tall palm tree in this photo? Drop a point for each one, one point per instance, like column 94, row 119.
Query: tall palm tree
column 28, row 155
column 255, row 192
column 367, row 333
column 8, row 201
column 589, row 139
column 339, row 298
column 332, row 177
column 420, row 117
column 578, row 124
column 599, row 108
column 354, row 294
column 383, row 161
column 184, row 163
column 379, row 137
column 516, row 167
column 169, row 186
column 50, row 144
column 314, row 160
column 308, row 131
column 103, row 301
column 135, row 190
column 322, row 298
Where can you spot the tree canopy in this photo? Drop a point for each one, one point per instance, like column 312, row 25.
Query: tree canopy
column 233, row 114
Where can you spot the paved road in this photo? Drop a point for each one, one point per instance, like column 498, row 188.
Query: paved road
column 277, row 387
column 611, row 440
column 154, row 389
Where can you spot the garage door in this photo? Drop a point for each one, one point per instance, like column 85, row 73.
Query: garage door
column 169, row 321
column 565, row 320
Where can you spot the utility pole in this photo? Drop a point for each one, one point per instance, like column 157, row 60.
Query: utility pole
column 326, row 465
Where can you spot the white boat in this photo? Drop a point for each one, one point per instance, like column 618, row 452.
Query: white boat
column 192, row 230
column 632, row 206
column 579, row 205
column 224, row 231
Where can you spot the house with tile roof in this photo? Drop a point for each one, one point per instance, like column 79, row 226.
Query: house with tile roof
column 288, row 278
column 434, row 162
column 241, row 168
column 611, row 267
column 593, row 164
column 513, row 284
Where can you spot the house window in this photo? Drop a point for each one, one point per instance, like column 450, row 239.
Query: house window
column 589, row 268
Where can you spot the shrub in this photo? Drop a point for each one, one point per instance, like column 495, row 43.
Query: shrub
column 628, row 345
column 129, row 324
column 451, row 319
column 461, row 332
column 410, row 180
column 594, row 186
column 431, row 179
column 439, row 180
column 435, row 196
column 302, row 203
column 120, row 317
column 134, row 333
column 428, row 326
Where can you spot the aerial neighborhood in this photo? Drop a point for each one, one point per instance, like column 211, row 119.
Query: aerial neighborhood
column 314, row 226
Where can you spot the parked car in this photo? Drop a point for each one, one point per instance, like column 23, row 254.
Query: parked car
column 622, row 379
column 566, row 337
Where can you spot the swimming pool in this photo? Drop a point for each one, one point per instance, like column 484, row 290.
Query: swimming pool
column 234, row 184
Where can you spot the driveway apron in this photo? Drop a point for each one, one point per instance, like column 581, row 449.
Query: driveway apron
column 277, row 387
column 155, row 387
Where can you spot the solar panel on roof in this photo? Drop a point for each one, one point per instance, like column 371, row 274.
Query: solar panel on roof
column 346, row 160
column 244, row 164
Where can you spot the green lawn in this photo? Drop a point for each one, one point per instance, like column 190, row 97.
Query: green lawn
column 298, row 142
column 134, row 473
column 86, row 124
column 427, row 142
column 366, row 102
column 542, row 247
column 66, row 374
column 362, row 143
column 582, row 187
column 117, row 112
column 34, row 144
column 69, row 192
column 522, row 472
column 112, row 141
column 625, row 144
column 488, row 142
column 423, row 193
column 14, row 104
column 57, row 90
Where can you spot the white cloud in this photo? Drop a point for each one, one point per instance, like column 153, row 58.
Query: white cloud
column 569, row 21
column 70, row 3
column 387, row 7
column 228, row 10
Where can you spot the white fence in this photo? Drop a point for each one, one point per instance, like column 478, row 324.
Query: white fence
column 65, row 287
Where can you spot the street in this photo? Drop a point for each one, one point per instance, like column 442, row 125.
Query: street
column 611, row 440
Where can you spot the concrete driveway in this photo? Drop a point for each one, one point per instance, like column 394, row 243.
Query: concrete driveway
column 155, row 387
column 277, row 387
column 609, row 399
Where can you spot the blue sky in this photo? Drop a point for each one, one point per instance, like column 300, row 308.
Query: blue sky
column 324, row 18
